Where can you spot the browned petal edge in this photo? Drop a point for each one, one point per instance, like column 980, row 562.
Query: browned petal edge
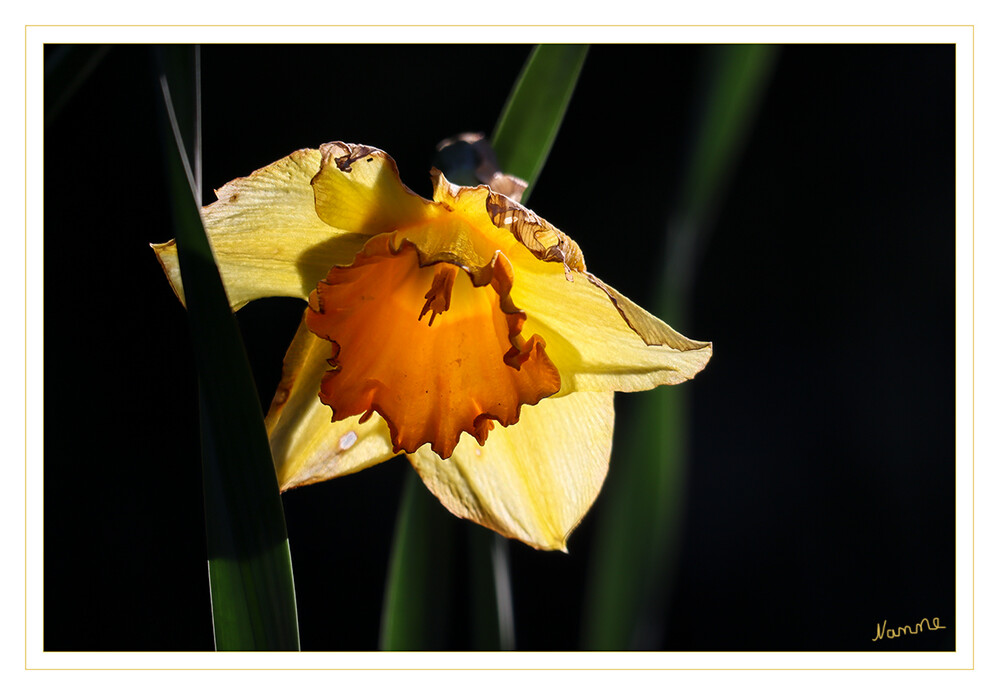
column 342, row 155
column 543, row 239
column 540, row 237
column 511, row 186
column 499, row 274
column 663, row 336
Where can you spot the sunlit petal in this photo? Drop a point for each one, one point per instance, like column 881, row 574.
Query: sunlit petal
column 600, row 339
column 307, row 447
column 358, row 190
column 533, row 481
column 267, row 239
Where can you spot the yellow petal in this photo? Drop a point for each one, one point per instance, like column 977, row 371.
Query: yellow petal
column 358, row 190
column 267, row 238
column 306, row 446
column 598, row 338
column 532, row 481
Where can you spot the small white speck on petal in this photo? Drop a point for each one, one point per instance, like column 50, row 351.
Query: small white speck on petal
column 348, row 440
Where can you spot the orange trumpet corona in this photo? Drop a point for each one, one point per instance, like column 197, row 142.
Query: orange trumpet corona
column 459, row 371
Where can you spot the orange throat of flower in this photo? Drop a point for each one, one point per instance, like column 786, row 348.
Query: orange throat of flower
column 460, row 370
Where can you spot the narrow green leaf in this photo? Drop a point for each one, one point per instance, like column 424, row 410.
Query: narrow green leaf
column 736, row 79
column 524, row 135
column 252, row 587
column 635, row 551
column 418, row 588
column 637, row 526
column 533, row 114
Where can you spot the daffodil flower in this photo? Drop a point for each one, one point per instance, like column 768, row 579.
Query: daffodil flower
column 464, row 331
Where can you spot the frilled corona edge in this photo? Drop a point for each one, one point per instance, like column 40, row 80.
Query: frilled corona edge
column 429, row 381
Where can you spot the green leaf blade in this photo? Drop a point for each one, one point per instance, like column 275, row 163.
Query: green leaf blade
column 533, row 114
column 418, row 587
column 637, row 540
column 252, row 586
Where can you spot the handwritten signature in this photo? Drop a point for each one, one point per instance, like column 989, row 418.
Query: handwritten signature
column 883, row 630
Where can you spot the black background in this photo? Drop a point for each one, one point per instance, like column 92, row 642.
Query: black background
column 820, row 494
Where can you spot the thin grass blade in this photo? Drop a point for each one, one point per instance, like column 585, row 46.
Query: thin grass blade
column 635, row 551
column 252, row 587
column 491, row 591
